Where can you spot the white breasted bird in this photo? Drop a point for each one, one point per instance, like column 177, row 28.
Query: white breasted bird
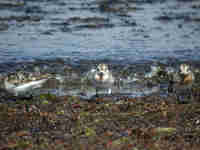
column 103, row 78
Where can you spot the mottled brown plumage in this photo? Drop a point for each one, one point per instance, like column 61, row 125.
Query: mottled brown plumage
column 186, row 73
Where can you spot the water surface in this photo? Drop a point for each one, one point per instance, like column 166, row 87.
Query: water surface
column 93, row 30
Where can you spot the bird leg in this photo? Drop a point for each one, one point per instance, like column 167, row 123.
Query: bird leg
column 97, row 95
column 109, row 91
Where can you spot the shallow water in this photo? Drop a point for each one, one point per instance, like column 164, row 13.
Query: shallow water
column 85, row 33
column 124, row 31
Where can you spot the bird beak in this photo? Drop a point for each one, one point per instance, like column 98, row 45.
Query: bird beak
column 101, row 75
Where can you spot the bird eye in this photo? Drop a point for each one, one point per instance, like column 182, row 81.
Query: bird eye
column 98, row 69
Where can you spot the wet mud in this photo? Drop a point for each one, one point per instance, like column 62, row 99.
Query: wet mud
column 47, row 122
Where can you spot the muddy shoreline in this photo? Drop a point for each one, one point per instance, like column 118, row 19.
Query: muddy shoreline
column 47, row 121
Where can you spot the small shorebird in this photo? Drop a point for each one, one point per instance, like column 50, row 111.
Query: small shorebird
column 23, row 81
column 103, row 78
column 182, row 79
column 187, row 74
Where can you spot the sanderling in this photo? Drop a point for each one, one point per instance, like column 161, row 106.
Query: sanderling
column 182, row 82
column 187, row 74
column 154, row 71
column 103, row 78
column 23, row 81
